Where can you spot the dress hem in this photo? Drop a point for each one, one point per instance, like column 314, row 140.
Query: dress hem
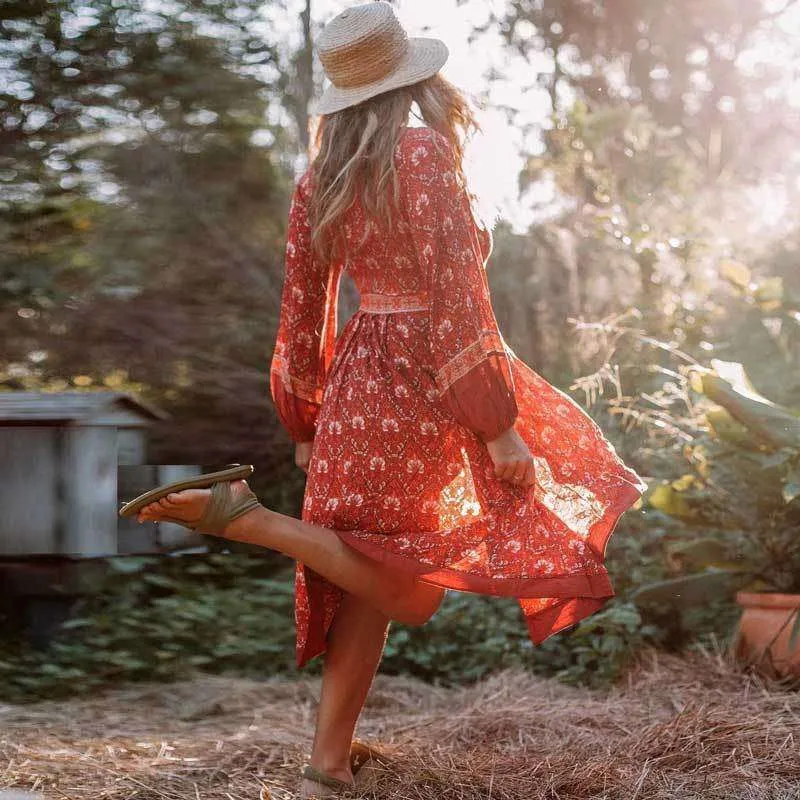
column 579, row 584
column 572, row 585
column 583, row 593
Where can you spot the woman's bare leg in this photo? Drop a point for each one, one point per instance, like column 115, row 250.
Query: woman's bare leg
column 398, row 595
column 354, row 647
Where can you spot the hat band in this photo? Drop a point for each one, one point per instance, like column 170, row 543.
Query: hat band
column 367, row 60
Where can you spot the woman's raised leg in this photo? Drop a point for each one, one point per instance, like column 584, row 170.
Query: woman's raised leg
column 354, row 647
column 398, row 595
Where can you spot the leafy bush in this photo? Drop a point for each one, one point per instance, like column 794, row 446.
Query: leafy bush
column 738, row 500
column 161, row 618
column 473, row 635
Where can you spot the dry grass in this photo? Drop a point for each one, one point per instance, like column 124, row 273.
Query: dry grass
column 676, row 727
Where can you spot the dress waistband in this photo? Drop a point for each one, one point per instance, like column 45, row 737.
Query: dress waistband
column 387, row 303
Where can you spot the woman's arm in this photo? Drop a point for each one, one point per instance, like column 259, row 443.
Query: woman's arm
column 306, row 329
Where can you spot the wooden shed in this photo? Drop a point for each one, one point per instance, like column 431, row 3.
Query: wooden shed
column 58, row 477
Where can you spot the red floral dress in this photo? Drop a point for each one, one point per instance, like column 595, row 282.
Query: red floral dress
column 399, row 406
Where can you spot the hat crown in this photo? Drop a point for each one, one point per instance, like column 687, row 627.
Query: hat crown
column 362, row 44
column 357, row 22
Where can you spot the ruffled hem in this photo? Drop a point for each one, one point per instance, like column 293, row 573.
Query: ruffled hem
column 576, row 595
column 574, row 584
column 560, row 616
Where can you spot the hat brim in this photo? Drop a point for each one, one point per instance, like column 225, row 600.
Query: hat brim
column 425, row 57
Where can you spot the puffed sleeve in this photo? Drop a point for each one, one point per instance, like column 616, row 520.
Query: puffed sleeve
column 307, row 325
column 473, row 367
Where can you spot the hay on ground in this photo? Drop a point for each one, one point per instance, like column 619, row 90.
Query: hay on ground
column 695, row 726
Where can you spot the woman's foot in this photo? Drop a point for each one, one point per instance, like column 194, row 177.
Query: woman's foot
column 309, row 788
column 188, row 505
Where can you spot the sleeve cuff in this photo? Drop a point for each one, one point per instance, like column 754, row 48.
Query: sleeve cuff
column 483, row 401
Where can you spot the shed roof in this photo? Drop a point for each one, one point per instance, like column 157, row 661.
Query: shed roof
column 72, row 406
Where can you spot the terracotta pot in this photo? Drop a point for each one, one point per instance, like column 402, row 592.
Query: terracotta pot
column 762, row 636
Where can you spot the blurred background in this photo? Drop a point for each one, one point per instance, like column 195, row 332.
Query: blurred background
column 644, row 165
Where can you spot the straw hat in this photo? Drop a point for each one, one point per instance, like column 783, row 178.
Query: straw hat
column 365, row 51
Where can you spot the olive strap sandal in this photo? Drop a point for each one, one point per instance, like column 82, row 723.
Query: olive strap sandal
column 364, row 761
column 311, row 774
column 221, row 509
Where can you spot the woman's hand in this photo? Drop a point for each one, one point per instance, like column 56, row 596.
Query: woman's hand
column 512, row 459
column 302, row 454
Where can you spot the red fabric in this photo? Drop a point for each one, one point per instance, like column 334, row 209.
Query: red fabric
column 399, row 407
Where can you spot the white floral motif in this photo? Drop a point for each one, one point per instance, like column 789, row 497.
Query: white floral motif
column 390, row 501
column 390, row 424
column 354, row 499
column 415, row 466
column 332, row 504
column 400, row 390
column 445, row 326
column 428, row 427
column 357, row 422
column 372, row 386
column 401, row 362
column 430, row 507
column 453, row 468
column 377, row 463
column 334, row 426
column 418, row 153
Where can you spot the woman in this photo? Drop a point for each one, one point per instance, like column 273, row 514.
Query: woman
column 435, row 458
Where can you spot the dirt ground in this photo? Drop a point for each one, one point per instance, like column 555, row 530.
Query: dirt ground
column 676, row 727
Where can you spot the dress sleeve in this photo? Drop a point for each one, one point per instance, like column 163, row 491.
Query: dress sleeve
column 473, row 367
column 306, row 328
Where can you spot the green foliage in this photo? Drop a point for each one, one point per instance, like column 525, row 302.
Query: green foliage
column 162, row 618
column 158, row 618
column 472, row 636
column 721, row 513
column 601, row 646
column 738, row 504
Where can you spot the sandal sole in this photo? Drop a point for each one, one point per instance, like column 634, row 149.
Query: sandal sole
column 200, row 482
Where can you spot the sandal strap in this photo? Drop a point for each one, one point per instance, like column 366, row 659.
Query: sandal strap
column 222, row 509
column 326, row 780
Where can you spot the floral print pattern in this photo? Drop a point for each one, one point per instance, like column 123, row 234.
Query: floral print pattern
column 399, row 407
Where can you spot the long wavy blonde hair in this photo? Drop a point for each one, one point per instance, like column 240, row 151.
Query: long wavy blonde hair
column 352, row 155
